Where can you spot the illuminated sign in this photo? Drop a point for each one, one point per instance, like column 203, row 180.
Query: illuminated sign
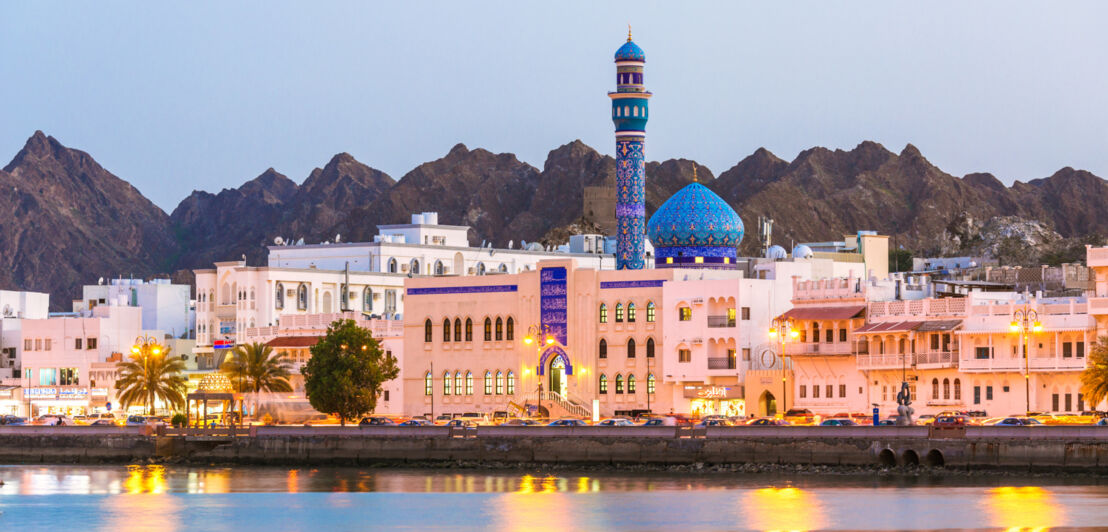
column 714, row 392
column 99, row 391
column 72, row 393
column 223, row 344
column 226, row 327
column 552, row 303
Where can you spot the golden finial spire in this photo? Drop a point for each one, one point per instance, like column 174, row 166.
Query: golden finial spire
column 628, row 33
column 695, row 180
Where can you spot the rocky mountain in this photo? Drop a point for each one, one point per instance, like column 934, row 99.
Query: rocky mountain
column 68, row 221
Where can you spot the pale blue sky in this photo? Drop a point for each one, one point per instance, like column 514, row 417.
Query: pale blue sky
column 207, row 95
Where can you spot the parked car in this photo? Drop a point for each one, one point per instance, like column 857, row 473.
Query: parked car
column 567, row 422
column 1018, row 422
column 1102, row 423
column 54, row 419
column 12, row 420
column 103, row 423
column 376, row 421
column 661, row 421
column 764, row 421
column 950, row 421
column 416, row 422
column 616, row 422
column 459, row 422
column 136, row 421
column 519, row 422
column 714, row 422
column 886, row 423
column 838, row 422
column 925, row 419
column 442, row 419
column 801, row 416
column 480, row 419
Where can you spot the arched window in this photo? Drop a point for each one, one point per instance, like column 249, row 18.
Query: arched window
column 511, row 383
column 499, row 329
column 488, row 382
column 469, row 330
column 603, row 313
column 458, row 383
column 427, row 331
column 650, row 312
column 603, row 383
column 226, row 294
column 935, row 389
column 619, row 312
column 488, row 330
column 650, row 383
column 428, row 383
column 367, row 299
column 446, row 330
column 630, row 348
column 649, row 348
column 457, row 329
column 413, row 267
column 631, row 383
column 279, row 297
column 630, row 313
column 392, row 265
column 946, row 388
column 510, row 332
column 503, row 268
column 446, row 383
column 439, row 268
column 603, row 348
column 619, row 383
column 302, row 297
column 957, row 389
column 499, row 382
column 480, row 268
column 469, row 383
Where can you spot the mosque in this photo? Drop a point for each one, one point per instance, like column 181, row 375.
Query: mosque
column 568, row 339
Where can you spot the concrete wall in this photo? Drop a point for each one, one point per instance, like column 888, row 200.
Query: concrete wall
column 33, row 444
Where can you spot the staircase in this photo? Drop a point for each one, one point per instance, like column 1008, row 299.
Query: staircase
column 559, row 406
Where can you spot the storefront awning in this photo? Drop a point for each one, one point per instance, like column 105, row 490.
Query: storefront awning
column 888, row 327
column 942, row 325
column 825, row 313
column 294, row 341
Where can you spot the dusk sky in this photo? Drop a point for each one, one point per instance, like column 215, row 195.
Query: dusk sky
column 206, row 96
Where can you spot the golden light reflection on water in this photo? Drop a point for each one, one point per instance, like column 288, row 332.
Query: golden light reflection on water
column 1023, row 508
column 781, row 509
column 145, row 479
column 152, row 508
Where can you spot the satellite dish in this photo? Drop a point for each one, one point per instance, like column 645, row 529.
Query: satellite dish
column 278, row 241
column 300, row 242
column 99, row 281
column 338, row 238
column 7, row 310
column 522, row 244
column 510, row 242
column 482, row 243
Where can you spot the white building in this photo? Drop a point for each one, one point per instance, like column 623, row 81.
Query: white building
column 60, row 353
column 165, row 306
column 424, row 247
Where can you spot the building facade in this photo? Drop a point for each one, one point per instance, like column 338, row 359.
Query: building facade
column 629, row 113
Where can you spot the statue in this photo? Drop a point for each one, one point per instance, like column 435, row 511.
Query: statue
column 904, row 409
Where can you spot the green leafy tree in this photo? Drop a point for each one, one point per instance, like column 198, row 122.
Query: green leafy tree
column 256, row 368
column 900, row 260
column 149, row 375
column 1094, row 380
column 346, row 371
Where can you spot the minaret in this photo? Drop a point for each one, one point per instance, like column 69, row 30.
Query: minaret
column 629, row 112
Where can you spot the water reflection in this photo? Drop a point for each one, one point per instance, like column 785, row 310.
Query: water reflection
column 787, row 508
column 1026, row 507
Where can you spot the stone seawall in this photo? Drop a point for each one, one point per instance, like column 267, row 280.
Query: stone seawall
column 34, row 444
column 1053, row 448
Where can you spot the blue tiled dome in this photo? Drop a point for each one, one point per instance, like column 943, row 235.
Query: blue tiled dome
column 695, row 216
column 630, row 52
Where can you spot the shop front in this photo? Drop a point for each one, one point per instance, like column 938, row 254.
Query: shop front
column 65, row 400
column 712, row 400
column 10, row 402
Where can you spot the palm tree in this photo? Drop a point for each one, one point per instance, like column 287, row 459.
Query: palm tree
column 151, row 374
column 1094, row 380
column 255, row 368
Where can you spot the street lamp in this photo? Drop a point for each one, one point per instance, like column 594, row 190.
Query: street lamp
column 146, row 345
column 540, row 337
column 783, row 330
column 1025, row 321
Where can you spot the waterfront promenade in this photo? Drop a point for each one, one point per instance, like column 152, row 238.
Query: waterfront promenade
column 1022, row 448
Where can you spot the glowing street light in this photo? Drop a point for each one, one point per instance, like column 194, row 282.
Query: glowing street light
column 1025, row 321
column 783, row 330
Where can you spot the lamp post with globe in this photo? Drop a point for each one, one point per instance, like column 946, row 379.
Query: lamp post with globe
column 783, row 330
column 540, row 337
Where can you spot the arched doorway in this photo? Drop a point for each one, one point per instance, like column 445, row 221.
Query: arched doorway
column 558, row 376
column 767, row 404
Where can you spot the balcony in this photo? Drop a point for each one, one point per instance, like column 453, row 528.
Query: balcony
column 721, row 363
column 821, row 348
column 925, row 360
column 721, row 321
column 1016, row 364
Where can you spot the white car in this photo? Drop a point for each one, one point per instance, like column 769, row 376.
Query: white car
column 616, row 422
